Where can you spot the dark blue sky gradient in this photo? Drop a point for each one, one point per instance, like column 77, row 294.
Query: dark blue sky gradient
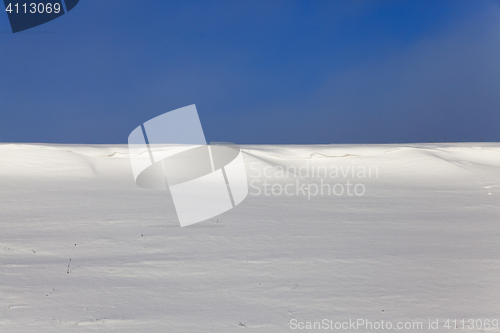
column 258, row 71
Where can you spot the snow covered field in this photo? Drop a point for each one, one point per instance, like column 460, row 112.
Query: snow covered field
column 84, row 249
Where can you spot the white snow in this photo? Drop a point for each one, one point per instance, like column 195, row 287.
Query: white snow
column 422, row 243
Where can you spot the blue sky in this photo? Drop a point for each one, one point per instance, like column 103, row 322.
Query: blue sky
column 258, row 71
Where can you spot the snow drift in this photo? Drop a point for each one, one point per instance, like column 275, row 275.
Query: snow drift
column 82, row 245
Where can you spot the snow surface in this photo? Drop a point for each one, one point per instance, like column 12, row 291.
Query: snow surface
column 423, row 242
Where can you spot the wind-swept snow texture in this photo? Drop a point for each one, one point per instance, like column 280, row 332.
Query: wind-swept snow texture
column 422, row 243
